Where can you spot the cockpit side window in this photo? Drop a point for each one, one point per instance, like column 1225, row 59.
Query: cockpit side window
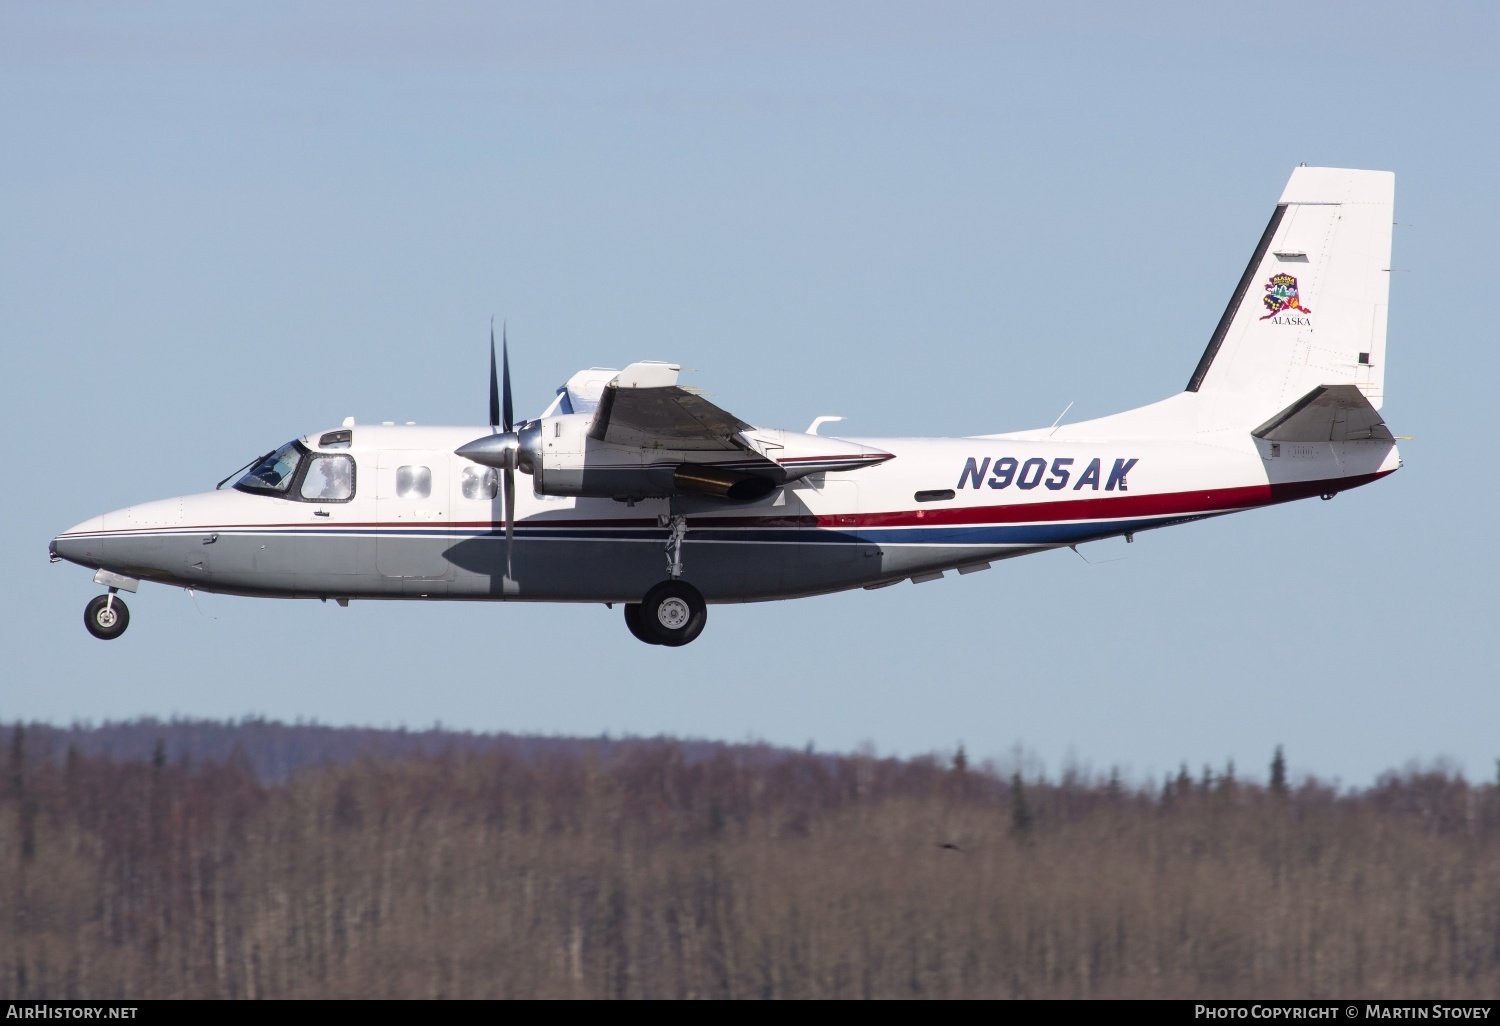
column 274, row 473
column 295, row 472
column 328, row 479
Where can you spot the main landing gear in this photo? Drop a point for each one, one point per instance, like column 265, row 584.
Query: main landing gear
column 673, row 612
column 106, row 616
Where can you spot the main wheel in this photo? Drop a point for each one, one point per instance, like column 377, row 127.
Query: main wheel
column 106, row 620
column 633, row 621
column 673, row 613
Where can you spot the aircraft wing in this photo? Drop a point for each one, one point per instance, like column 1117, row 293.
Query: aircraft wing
column 644, row 407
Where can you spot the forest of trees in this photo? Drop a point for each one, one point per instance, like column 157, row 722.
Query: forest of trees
column 234, row 860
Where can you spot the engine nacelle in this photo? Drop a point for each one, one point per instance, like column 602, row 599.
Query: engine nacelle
column 563, row 460
column 567, row 455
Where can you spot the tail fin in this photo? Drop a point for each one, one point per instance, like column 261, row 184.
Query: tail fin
column 1310, row 309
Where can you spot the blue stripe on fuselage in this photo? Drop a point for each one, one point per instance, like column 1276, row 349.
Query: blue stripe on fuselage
column 1052, row 533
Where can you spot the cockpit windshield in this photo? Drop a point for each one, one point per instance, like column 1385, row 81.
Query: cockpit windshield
column 274, row 473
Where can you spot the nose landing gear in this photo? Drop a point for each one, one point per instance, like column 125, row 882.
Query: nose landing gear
column 106, row 616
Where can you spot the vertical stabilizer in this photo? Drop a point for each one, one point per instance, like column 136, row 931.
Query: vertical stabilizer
column 1310, row 309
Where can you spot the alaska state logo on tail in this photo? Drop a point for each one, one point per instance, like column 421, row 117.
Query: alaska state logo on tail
column 1281, row 296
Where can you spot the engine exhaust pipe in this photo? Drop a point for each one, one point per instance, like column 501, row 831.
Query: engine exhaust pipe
column 724, row 484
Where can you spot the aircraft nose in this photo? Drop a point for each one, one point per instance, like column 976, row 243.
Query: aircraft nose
column 78, row 543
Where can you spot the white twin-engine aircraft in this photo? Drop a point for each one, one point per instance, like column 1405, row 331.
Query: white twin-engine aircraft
column 646, row 494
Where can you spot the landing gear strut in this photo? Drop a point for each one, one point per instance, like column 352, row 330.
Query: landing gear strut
column 677, row 524
column 106, row 616
column 673, row 612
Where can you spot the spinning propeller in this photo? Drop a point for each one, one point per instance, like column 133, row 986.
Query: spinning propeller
column 498, row 449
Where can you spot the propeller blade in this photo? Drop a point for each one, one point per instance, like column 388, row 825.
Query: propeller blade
column 510, row 517
column 494, row 385
column 510, row 422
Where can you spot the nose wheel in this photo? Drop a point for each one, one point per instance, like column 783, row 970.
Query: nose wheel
column 673, row 613
column 106, row 616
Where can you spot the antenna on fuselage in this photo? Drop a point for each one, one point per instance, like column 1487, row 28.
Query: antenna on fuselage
column 1058, row 421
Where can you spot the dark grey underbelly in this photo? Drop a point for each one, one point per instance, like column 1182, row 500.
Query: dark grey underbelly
column 556, row 569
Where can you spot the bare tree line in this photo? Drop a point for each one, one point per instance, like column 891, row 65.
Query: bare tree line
column 640, row 872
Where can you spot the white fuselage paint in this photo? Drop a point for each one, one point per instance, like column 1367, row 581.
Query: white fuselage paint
column 1012, row 494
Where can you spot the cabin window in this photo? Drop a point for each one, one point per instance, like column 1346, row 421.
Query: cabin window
column 935, row 495
column 329, row 479
column 413, row 482
column 340, row 439
column 480, row 483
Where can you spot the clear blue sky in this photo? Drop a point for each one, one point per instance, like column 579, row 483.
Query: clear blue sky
column 221, row 227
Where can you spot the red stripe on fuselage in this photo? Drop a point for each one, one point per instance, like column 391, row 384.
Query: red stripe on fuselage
column 1114, row 507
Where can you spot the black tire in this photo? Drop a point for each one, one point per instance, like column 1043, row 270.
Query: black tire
column 633, row 621
column 104, row 619
column 673, row 613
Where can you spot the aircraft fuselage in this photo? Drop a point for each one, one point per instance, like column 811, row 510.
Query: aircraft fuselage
column 422, row 522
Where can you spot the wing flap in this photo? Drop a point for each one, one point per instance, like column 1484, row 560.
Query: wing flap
column 643, row 407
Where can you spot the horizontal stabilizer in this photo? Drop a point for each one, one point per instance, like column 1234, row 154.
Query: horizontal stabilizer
column 1329, row 413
